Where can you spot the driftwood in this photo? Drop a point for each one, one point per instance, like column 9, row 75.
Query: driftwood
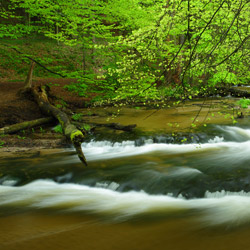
column 71, row 132
column 24, row 125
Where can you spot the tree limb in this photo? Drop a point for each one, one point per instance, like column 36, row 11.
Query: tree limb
column 35, row 61
column 227, row 57
column 204, row 29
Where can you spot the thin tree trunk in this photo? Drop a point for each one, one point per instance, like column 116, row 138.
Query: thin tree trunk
column 28, row 81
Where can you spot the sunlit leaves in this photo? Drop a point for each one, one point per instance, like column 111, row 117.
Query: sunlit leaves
column 213, row 35
column 146, row 49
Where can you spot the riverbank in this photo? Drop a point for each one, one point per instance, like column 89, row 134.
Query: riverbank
column 16, row 109
column 171, row 118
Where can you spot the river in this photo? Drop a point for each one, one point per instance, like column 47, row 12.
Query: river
column 152, row 192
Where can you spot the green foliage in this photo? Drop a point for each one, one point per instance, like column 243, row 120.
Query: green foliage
column 17, row 31
column 78, row 87
column 21, row 137
column 50, row 84
column 86, row 127
column 223, row 77
column 58, row 58
column 63, row 103
column 42, row 130
column 133, row 50
column 2, row 143
column 77, row 116
column 244, row 103
column 58, row 129
column 201, row 39
column 59, row 106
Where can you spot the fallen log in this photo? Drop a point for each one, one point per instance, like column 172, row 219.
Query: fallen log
column 24, row 125
column 70, row 131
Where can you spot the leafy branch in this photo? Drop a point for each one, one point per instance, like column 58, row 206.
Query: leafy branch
column 34, row 60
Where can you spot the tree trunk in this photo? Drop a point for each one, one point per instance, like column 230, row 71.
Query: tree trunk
column 70, row 131
column 28, row 81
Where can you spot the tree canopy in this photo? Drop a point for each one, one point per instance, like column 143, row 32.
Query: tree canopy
column 142, row 49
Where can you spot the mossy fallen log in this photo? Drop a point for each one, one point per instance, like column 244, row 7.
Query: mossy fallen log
column 24, row 125
column 70, row 131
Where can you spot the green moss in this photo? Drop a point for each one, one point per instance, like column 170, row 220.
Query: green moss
column 58, row 129
column 74, row 134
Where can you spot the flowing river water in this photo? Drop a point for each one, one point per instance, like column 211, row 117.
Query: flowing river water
column 148, row 193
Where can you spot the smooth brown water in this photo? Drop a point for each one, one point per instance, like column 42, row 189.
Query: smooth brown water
column 169, row 118
column 57, row 232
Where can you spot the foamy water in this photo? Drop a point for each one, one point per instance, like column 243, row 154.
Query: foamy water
column 217, row 147
column 216, row 208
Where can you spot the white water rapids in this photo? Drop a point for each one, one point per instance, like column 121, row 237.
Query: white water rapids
column 231, row 208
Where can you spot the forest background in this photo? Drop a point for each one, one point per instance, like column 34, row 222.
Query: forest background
column 129, row 50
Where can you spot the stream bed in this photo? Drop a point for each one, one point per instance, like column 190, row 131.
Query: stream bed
column 152, row 192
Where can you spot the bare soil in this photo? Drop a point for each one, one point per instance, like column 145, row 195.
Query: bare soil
column 15, row 109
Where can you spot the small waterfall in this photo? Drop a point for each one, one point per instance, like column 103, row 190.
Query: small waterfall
column 129, row 179
column 215, row 209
